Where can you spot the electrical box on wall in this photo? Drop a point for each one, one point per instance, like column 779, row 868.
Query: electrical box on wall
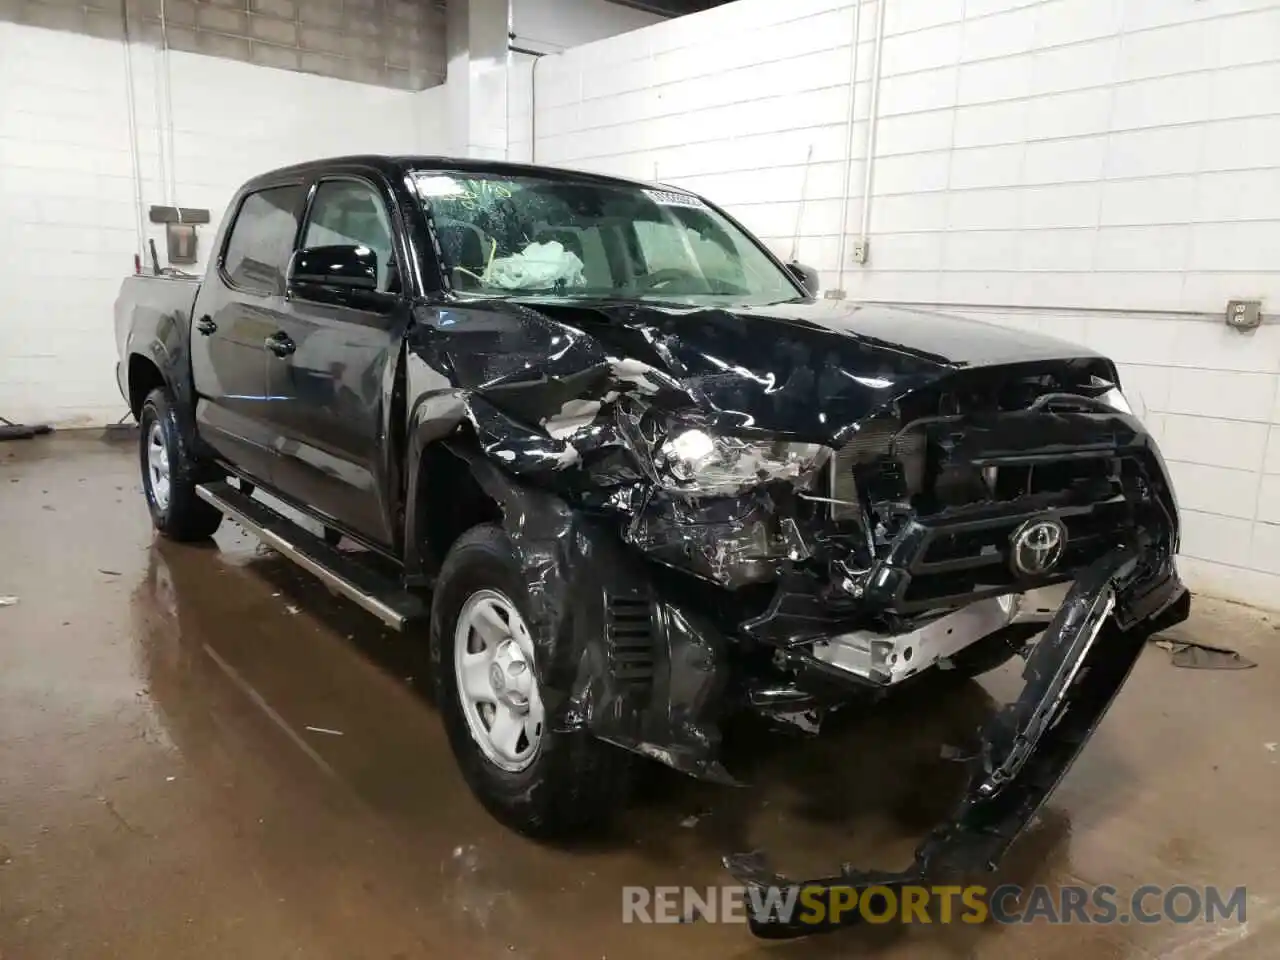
column 181, row 240
column 180, row 231
column 1244, row 314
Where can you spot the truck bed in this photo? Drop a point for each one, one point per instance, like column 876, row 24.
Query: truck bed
column 148, row 300
column 153, row 309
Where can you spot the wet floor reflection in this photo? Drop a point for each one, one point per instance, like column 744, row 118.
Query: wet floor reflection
column 203, row 753
column 220, row 647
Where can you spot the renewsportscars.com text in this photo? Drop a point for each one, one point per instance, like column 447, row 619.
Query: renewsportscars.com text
column 974, row 904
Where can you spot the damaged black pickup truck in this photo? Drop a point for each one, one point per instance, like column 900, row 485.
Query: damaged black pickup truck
column 638, row 479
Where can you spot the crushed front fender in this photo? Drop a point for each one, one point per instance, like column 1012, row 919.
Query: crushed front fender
column 1071, row 678
column 613, row 656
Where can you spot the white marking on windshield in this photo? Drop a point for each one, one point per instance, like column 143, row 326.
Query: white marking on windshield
column 437, row 186
column 668, row 198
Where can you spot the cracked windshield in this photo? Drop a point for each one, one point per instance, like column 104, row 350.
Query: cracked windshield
column 508, row 236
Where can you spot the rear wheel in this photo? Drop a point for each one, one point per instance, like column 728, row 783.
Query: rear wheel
column 484, row 647
column 169, row 474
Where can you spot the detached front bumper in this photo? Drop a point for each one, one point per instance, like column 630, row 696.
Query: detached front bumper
column 1072, row 677
column 638, row 656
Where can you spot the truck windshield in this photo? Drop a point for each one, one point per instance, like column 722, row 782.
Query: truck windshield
column 560, row 238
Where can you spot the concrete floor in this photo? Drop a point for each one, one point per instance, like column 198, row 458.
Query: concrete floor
column 162, row 796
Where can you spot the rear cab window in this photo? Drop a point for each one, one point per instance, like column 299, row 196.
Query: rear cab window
column 260, row 243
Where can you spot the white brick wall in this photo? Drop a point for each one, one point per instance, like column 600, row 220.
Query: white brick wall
column 552, row 25
column 1105, row 170
column 70, row 225
column 431, row 121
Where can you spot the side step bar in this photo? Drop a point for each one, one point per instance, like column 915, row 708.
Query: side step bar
column 379, row 595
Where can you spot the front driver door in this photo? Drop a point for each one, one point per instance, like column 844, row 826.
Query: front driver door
column 330, row 389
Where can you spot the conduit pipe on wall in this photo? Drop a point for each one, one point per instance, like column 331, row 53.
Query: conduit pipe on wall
column 873, row 123
column 506, row 85
column 848, row 149
column 873, row 118
column 171, row 188
column 161, row 149
column 533, row 97
column 132, row 108
column 804, row 196
column 533, row 107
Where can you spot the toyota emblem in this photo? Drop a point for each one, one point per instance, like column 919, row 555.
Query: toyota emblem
column 1036, row 546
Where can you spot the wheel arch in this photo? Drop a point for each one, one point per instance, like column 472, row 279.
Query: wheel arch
column 144, row 375
column 158, row 367
column 445, row 501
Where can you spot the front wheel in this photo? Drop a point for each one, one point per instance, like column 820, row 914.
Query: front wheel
column 484, row 644
column 169, row 474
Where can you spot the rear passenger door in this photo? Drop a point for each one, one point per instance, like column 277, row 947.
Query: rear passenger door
column 329, row 392
column 238, row 309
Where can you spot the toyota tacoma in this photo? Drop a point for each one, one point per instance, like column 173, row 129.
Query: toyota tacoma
column 628, row 476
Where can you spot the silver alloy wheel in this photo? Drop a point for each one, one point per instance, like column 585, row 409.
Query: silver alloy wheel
column 158, row 466
column 497, row 690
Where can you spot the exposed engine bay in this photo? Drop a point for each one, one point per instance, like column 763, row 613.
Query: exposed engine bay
column 710, row 525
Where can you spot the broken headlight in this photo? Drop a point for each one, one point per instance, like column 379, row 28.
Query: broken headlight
column 1111, row 394
column 695, row 460
column 1116, row 400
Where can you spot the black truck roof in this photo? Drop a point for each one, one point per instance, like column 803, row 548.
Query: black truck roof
column 396, row 166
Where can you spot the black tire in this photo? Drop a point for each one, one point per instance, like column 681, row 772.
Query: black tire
column 185, row 517
column 575, row 782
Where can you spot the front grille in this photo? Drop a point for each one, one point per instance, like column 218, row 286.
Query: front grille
column 986, row 545
column 964, row 474
column 935, row 483
column 951, row 561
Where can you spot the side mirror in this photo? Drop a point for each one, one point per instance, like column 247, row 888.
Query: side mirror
column 339, row 268
column 807, row 276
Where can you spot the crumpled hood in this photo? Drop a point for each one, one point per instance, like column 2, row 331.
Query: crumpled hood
column 804, row 368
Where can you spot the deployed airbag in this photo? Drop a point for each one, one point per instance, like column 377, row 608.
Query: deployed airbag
column 539, row 266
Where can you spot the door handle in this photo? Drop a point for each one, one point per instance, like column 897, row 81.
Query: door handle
column 206, row 325
column 281, row 344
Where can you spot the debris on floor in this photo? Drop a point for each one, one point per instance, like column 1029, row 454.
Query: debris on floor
column 8, row 601
column 21, row 431
column 1203, row 656
column 693, row 819
column 326, row 730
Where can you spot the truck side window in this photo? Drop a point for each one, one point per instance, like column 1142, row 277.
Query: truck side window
column 261, row 240
column 349, row 213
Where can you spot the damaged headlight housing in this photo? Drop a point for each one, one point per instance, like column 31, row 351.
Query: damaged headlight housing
column 1116, row 399
column 696, row 460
